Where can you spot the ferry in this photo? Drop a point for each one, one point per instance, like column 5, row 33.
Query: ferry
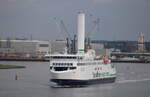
column 82, row 68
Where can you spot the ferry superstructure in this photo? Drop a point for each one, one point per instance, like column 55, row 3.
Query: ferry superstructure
column 82, row 68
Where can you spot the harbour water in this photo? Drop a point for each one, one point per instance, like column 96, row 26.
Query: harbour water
column 133, row 80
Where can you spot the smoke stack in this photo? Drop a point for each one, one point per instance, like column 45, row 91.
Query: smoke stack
column 81, row 32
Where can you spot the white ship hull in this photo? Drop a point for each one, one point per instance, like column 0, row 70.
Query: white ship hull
column 89, row 73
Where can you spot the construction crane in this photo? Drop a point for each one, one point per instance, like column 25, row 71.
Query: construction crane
column 90, row 35
column 71, row 45
column 95, row 28
column 62, row 27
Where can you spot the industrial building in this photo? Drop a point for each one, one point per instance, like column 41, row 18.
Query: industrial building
column 31, row 47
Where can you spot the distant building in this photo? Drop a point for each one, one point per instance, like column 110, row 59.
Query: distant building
column 147, row 46
column 141, row 45
column 31, row 47
column 123, row 46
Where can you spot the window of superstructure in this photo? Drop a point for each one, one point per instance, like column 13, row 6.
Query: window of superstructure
column 50, row 67
column 67, row 64
column 112, row 65
column 80, row 63
column 72, row 68
column 60, row 64
column 63, row 57
column 100, row 68
column 43, row 45
column 71, row 64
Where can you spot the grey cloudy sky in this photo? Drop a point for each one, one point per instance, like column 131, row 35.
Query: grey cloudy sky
column 119, row 19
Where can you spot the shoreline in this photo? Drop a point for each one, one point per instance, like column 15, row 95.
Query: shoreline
column 2, row 66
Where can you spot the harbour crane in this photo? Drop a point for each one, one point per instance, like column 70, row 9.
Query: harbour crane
column 95, row 28
column 62, row 27
column 90, row 35
column 71, row 45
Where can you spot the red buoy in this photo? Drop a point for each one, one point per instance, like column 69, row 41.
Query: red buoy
column 16, row 77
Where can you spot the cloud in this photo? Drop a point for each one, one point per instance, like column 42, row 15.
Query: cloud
column 12, row 0
column 102, row 1
column 147, row 3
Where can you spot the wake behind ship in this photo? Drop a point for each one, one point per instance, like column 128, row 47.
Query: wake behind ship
column 82, row 68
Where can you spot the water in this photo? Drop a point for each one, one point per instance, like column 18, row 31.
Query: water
column 133, row 80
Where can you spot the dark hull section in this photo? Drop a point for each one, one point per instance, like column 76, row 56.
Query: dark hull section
column 71, row 82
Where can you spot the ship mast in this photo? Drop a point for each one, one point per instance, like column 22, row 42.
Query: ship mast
column 81, row 32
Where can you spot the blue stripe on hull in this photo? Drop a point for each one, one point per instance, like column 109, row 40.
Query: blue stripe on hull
column 83, row 82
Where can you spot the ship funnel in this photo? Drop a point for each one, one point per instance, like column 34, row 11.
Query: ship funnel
column 81, row 32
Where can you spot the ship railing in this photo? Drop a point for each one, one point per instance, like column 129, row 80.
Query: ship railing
column 89, row 63
column 63, row 60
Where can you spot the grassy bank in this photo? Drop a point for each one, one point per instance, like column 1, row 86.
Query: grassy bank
column 10, row 66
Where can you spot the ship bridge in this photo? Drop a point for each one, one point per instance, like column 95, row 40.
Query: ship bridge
column 65, row 56
column 64, row 62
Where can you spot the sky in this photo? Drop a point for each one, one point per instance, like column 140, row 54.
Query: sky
column 40, row 19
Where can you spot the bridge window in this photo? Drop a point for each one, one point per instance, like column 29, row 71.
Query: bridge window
column 72, row 68
column 60, row 68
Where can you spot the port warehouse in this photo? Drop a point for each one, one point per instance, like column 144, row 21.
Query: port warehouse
column 36, row 48
column 29, row 48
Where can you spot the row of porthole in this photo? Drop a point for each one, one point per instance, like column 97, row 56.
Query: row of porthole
column 69, row 64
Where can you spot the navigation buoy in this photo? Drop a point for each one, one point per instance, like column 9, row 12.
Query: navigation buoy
column 16, row 77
